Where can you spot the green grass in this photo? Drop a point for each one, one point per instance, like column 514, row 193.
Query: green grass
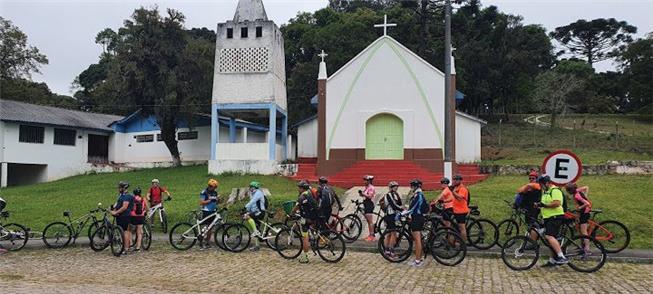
column 535, row 156
column 625, row 198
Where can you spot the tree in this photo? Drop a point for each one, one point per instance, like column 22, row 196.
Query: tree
column 636, row 60
column 595, row 40
column 552, row 91
column 17, row 59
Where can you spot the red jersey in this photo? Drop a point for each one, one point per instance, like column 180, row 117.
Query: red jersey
column 155, row 195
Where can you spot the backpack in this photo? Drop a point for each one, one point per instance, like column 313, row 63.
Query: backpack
column 309, row 210
column 382, row 204
column 265, row 206
column 139, row 206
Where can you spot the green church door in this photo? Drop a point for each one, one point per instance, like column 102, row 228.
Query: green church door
column 384, row 137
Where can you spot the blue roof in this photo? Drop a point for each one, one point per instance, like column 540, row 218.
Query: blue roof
column 459, row 95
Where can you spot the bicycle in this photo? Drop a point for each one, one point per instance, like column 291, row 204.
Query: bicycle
column 146, row 240
column 509, row 227
column 108, row 235
column 59, row 234
column 521, row 252
column 13, row 236
column 379, row 224
column 184, row 235
column 482, row 233
column 267, row 231
column 444, row 244
column 613, row 235
column 163, row 216
column 289, row 243
column 349, row 227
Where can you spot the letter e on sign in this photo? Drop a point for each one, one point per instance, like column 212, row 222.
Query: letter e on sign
column 563, row 167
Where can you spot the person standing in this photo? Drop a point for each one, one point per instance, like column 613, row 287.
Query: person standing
column 307, row 208
column 137, row 217
column 155, row 192
column 121, row 211
column 208, row 205
column 368, row 203
column 583, row 207
column 418, row 206
column 460, row 205
column 552, row 214
column 392, row 206
column 255, row 211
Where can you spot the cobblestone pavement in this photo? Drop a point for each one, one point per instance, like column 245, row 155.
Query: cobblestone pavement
column 79, row 270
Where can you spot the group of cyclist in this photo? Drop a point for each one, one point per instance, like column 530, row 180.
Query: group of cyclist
column 541, row 197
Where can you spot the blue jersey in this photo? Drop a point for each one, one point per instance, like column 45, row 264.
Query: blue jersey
column 416, row 202
column 122, row 198
column 256, row 202
column 206, row 195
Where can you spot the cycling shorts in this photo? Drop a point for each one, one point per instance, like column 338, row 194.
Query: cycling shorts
column 137, row 220
column 552, row 226
column 460, row 218
column 368, row 206
column 584, row 218
column 416, row 223
column 389, row 220
column 123, row 222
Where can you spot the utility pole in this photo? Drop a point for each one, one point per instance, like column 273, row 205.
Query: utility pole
column 448, row 103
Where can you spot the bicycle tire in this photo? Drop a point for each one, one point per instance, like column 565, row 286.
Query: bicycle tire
column 146, row 241
column 579, row 261
column 164, row 223
column 183, row 232
column 16, row 237
column 401, row 250
column 92, row 227
column 506, row 229
column 482, row 233
column 289, row 243
column 117, row 243
column 442, row 249
column 57, row 235
column 100, row 239
column 270, row 234
column 522, row 248
column 350, row 227
column 236, row 237
column 606, row 236
column 334, row 248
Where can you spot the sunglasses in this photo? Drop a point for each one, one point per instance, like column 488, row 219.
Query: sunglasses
column 531, row 178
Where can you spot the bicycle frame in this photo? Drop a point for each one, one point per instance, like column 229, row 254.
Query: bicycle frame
column 360, row 210
column 154, row 209
column 80, row 224
column 206, row 229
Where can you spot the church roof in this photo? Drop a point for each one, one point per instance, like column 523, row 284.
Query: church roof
column 250, row 10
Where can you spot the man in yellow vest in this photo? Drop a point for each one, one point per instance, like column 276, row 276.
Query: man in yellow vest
column 551, row 208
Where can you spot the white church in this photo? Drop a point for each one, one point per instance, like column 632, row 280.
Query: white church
column 384, row 108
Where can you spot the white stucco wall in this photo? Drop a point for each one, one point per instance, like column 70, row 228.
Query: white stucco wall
column 307, row 139
column 394, row 81
column 2, row 141
column 468, row 139
column 127, row 150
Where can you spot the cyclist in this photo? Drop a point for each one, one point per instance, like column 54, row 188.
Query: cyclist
column 552, row 214
column 121, row 210
column 583, row 206
column 307, row 207
column 446, row 198
column 328, row 200
column 528, row 195
column 392, row 206
column 368, row 203
column 154, row 194
column 137, row 217
column 416, row 212
column 209, row 205
column 460, row 204
column 255, row 211
column 3, row 204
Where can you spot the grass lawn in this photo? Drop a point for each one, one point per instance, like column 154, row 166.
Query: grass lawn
column 622, row 197
column 535, row 156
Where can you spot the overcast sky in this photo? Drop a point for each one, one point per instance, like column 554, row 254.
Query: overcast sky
column 64, row 30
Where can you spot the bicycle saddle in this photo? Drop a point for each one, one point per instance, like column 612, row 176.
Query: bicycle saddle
column 596, row 210
column 66, row 213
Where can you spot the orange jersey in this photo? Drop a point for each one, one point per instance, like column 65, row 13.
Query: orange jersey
column 460, row 206
column 446, row 197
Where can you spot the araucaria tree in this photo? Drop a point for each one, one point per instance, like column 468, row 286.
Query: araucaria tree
column 552, row 91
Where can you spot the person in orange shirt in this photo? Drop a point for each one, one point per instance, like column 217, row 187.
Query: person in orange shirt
column 446, row 198
column 531, row 193
column 460, row 204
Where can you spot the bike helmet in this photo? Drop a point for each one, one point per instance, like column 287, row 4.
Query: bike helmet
column 543, row 179
column 3, row 204
column 393, row 184
column 323, row 180
column 445, row 180
column 368, row 177
column 303, row 185
column 571, row 187
column 123, row 184
column 416, row 183
column 137, row 191
column 457, row 178
column 155, row 181
column 255, row 184
column 213, row 183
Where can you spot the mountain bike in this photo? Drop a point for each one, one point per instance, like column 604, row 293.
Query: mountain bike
column 163, row 216
column 108, row 235
column 267, row 232
column 613, row 235
column 379, row 224
column 509, row 227
column 184, row 235
column 146, row 241
column 13, row 237
column 521, row 252
column 481, row 233
column 349, row 226
column 329, row 245
column 444, row 244
column 59, row 234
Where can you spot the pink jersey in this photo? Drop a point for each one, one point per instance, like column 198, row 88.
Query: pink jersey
column 369, row 192
column 580, row 200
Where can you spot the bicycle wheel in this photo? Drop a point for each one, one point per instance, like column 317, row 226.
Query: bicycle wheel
column 183, row 236
column 482, row 233
column 236, row 237
column 447, row 247
column 331, row 247
column 57, row 235
column 289, row 243
column 350, row 227
column 94, row 226
column 270, row 234
column 520, row 253
column 117, row 241
column 379, row 225
column 395, row 245
column 587, row 261
column 506, row 229
column 164, row 223
column 146, row 242
column 100, row 239
column 13, row 237
column 613, row 235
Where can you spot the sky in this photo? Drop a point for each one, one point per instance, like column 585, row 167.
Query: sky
column 65, row 30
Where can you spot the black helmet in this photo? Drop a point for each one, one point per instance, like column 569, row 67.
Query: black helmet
column 303, row 184
column 445, row 180
column 415, row 183
column 137, row 191
column 123, row 185
column 323, row 180
column 543, row 179
column 457, row 178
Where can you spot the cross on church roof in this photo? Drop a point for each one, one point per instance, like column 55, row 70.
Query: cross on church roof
column 323, row 55
column 385, row 25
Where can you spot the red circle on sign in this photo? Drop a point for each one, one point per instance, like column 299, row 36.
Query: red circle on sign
column 567, row 152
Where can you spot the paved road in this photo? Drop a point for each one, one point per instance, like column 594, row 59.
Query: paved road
column 79, row 270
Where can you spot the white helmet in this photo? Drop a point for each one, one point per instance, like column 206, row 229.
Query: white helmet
column 155, row 181
column 3, row 204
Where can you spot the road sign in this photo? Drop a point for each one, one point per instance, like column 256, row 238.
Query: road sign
column 563, row 167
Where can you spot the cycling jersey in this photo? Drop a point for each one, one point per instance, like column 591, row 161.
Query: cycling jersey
column 580, row 200
column 416, row 203
column 206, row 195
column 460, row 206
column 125, row 197
column 155, row 195
column 252, row 206
column 369, row 192
column 307, row 205
column 392, row 203
column 552, row 194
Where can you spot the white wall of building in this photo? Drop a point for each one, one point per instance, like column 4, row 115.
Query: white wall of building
column 385, row 78
column 468, row 139
column 307, row 139
column 126, row 149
